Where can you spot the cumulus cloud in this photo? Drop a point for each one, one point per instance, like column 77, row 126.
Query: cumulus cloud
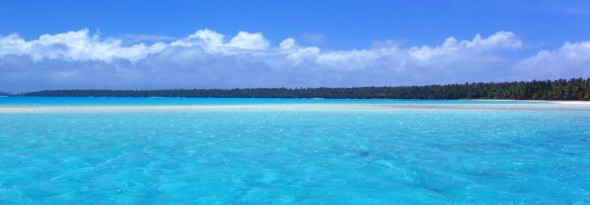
column 288, row 43
column 476, row 46
column 214, row 41
column 571, row 60
column 208, row 59
column 75, row 46
column 245, row 40
column 201, row 38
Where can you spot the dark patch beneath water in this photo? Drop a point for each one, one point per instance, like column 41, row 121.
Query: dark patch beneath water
column 364, row 154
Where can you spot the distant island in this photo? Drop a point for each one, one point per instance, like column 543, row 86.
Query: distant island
column 4, row 94
column 573, row 89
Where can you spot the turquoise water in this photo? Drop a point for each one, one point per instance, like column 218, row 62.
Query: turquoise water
column 292, row 151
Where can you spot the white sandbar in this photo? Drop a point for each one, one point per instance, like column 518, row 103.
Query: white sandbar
column 550, row 106
column 563, row 102
column 165, row 108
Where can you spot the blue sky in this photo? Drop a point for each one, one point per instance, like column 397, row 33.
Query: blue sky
column 168, row 44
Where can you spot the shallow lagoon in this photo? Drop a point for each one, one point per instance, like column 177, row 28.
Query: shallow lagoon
column 291, row 151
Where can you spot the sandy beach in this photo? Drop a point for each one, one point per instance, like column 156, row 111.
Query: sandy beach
column 563, row 102
column 567, row 102
column 349, row 107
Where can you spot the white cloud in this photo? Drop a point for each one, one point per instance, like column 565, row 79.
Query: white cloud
column 245, row 40
column 499, row 40
column 207, row 59
column 75, row 46
column 569, row 61
column 287, row 44
column 214, row 42
column 13, row 44
column 203, row 38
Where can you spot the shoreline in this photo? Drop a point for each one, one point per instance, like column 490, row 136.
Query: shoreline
column 563, row 102
column 329, row 107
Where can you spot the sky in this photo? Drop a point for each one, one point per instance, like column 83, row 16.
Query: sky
column 286, row 43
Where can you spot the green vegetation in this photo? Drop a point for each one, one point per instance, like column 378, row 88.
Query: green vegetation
column 573, row 89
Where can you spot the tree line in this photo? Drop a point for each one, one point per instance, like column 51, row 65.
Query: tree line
column 573, row 89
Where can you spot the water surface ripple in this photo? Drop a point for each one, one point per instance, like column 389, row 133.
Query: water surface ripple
column 292, row 151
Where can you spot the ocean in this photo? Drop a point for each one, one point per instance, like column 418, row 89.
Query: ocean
column 292, row 151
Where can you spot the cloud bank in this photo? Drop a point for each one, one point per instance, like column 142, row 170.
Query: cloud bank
column 208, row 59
